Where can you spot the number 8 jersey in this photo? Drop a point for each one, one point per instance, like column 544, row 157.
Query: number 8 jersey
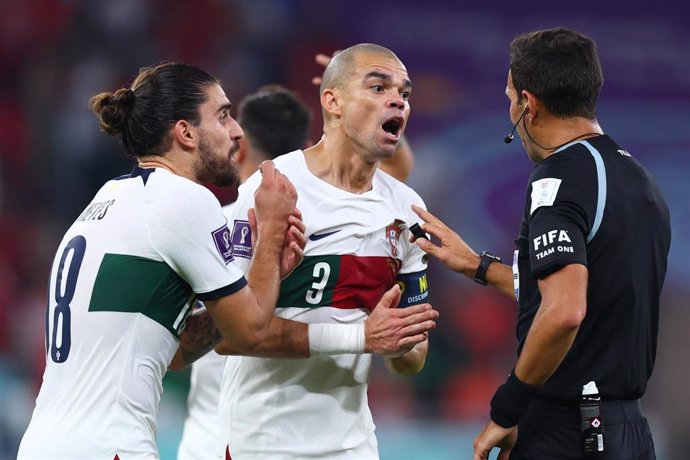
column 358, row 247
column 122, row 284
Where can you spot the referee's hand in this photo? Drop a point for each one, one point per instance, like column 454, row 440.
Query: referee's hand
column 492, row 436
column 452, row 250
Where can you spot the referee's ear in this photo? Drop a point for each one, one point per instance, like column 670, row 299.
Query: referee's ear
column 533, row 106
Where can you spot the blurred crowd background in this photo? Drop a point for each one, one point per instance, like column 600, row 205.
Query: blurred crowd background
column 55, row 54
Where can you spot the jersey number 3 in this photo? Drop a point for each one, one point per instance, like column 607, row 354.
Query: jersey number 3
column 322, row 271
column 61, row 312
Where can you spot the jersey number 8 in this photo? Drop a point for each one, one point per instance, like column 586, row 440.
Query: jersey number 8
column 62, row 312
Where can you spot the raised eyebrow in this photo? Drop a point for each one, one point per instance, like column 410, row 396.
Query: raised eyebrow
column 375, row 74
column 384, row 76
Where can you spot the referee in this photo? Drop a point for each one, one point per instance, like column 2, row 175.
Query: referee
column 588, row 267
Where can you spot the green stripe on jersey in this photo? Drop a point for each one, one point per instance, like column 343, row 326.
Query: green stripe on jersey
column 134, row 284
column 340, row 281
column 311, row 284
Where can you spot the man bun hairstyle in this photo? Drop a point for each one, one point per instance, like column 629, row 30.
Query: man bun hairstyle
column 160, row 96
column 112, row 109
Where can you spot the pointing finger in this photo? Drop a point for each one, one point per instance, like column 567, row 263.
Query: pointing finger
column 427, row 216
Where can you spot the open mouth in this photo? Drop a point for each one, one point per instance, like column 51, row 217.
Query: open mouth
column 393, row 126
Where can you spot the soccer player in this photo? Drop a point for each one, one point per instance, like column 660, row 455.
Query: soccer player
column 133, row 263
column 589, row 265
column 400, row 165
column 274, row 122
column 272, row 405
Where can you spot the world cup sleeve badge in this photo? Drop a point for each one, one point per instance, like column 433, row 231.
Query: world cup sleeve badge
column 221, row 238
column 241, row 239
column 393, row 232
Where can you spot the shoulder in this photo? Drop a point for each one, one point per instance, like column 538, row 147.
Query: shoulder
column 398, row 192
column 289, row 160
column 571, row 162
column 227, row 210
column 288, row 164
column 568, row 177
column 177, row 196
column 573, row 168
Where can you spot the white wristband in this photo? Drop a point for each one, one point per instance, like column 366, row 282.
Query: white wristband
column 336, row 339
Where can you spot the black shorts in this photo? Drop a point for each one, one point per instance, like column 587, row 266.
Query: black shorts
column 551, row 431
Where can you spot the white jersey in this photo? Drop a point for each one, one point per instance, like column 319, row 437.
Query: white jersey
column 121, row 286
column 358, row 248
column 201, row 433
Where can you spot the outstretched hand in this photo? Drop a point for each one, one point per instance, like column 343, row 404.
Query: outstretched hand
column 392, row 332
column 453, row 251
column 322, row 60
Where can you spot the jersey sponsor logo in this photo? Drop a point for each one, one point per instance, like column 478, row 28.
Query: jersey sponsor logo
column 318, row 236
column 546, row 242
column 624, row 153
column 241, row 239
column 544, row 192
column 393, row 232
column 221, row 237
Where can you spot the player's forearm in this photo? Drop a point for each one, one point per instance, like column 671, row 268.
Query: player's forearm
column 285, row 339
column 243, row 318
column 199, row 337
column 264, row 278
column 293, row 339
column 411, row 362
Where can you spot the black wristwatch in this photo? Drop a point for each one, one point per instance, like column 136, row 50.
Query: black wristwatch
column 486, row 259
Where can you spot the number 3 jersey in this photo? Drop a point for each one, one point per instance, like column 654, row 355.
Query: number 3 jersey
column 357, row 248
column 121, row 286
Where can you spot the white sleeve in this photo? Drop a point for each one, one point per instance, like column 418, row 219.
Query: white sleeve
column 240, row 232
column 191, row 235
column 412, row 274
column 415, row 259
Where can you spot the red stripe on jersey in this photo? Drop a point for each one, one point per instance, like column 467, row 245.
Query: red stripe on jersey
column 363, row 280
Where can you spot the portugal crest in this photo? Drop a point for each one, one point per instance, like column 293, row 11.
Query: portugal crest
column 393, row 232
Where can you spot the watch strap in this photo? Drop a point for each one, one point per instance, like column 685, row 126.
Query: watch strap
column 485, row 260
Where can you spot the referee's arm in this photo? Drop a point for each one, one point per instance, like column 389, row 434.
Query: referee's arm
column 562, row 310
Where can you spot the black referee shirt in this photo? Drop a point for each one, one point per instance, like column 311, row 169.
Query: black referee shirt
column 591, row 203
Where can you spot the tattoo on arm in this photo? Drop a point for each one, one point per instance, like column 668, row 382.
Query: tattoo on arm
column 200, row 335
